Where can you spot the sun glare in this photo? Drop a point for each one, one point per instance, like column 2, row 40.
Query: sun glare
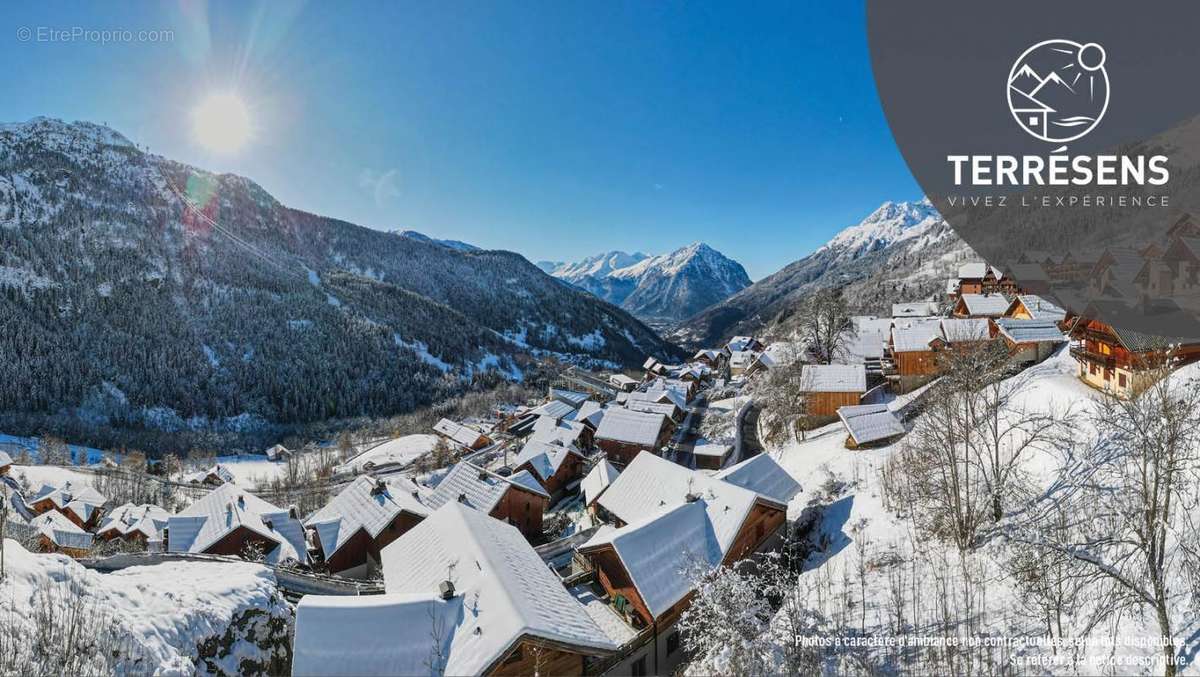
column 221, row 123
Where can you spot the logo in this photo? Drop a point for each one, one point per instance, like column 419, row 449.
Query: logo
column 1058, row 90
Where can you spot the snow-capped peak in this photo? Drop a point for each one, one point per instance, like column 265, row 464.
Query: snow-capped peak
column 892, row 222
column 600, row 265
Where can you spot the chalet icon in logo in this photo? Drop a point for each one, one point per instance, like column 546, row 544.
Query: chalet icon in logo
column 1058, row 89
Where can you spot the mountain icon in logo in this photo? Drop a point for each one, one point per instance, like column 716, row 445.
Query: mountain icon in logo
column 1058, row 89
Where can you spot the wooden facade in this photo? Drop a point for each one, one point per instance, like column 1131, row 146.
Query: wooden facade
column 556, row 485
column 826, row 404
column 46, row 505
column 622, row 453
column 537, row 657
column 522, row 509
column 361, row 548
column 1109, row 363
column 916, row 362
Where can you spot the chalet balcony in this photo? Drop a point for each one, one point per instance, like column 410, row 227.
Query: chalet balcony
column 1093, row 335
column 1084, row 355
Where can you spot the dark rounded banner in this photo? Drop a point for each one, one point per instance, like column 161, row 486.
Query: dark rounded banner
column 1061, row 141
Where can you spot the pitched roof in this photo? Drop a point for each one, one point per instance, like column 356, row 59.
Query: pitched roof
column 457, row 432
column 914, row 338
column 780, row 353
column 715, row 449
column 649, row 363
column 478, row 488
column 555, row 409
column 650, row 483
column 972, row 270
column 507, row 590
column 965, row 330
column 870, row 422
column 634, row 427
column 651, row 407
column 1039, row 308
column 622, row 379
column 547, row 429
column 833, row 378
column 589, row 412
column 739, row 343
column 1030, row 331
column 918, row 309
column 544, row 457
column 148, row 520
column 225, row 509
column 81, row 501
column 61, row 531
column 571, row 397
column 992, row 305
column 368, row 504
column 597, row 480
column 655, row 549
column 764, row 476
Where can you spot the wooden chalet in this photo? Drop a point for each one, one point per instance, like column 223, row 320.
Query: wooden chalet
column 623, row 433
column 829, row 386
column 58, row 534
column 711, row 455
column 82, row 506
column 558, row 466
column 350, row 531
column 708, row 357
column 596, row 482
column 977, row 277
column 1029, row 341
column 142, row 524
column 980, row 305
column 518, row 499
column 1034, row 307
column 623, row 383
column 229, row 521
column 213, row 477
column 910, row 358
column 461, row 435
column 467, row 584
column 1115, row 359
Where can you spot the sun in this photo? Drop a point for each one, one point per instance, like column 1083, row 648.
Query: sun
column 221, row 123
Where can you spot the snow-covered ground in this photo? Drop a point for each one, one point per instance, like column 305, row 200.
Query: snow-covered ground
column 165, row 612
column 862, row 538
column 13, row 445
column 402, row 450
column 37, row 475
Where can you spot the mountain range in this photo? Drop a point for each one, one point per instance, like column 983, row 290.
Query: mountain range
column 658, row 289
column 901, row 251
column 140, row 293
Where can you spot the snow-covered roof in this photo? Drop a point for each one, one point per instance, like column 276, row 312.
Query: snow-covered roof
column 218, row 471
column 544, row 457
column 5, row 459
column 987, row 305
column 661, row 392
column 655, row 550
column 914, row 338
column 1039, row 308
column 833, row 378
column 741, row 358
column 634, row 427
column 918, row 309
column 148, row 520
column 868, row 342
column 649, row 363
column 597, row 480
column 62, row 531
column 649, row 407
column 570, row 397
column 706, row 353
column 547, row 429
column 1030, row 331
column 965, row 330
column 780, row 353
column 400, row 451
column 739, row 343
column 589, row 412
column 81, row 501
column 507, row 591
column 977, row 270
column 651, row 482
column 366, row 504
column 478, row 488
column 711, row 449
column 622, row 380
column 764, row 476
column 372, row 635
column 870, row 422
column 225, row 509
column 555, row 409
column 458, row 432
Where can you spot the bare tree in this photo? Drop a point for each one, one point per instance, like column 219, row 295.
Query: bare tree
column 821, row 323
column 783, row 402
column 54, row 451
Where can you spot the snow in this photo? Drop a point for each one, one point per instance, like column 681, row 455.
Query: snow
column 207, row 520
column 39, row 475
column 400, row 451
column 833, row 378
column 165, row 610
column 892, row 222
column 764, row 476
column 422, row 352
column 79, row 454
column 597, row 481
column 634, row 427
column 360, row 506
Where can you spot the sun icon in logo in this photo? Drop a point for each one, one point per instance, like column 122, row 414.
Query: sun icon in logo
column 1058, row 89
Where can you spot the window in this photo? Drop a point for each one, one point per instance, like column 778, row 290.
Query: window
column 672, row 643
column 638, row 669
column 1092, row 369
column 1121, row 380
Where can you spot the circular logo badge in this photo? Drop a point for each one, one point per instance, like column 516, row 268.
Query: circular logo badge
column 1058, row 89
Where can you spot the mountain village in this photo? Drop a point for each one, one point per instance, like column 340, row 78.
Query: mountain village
column 572, row 535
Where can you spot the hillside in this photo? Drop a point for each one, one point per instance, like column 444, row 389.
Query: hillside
column 901, row 251
column 137, row 292
column 659, row 289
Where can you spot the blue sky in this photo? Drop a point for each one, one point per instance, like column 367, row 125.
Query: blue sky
column 556, row 129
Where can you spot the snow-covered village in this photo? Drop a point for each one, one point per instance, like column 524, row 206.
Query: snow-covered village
column 564, row 339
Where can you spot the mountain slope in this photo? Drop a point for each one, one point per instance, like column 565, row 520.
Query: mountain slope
column 140, row 293
column 668, row 287
column 901, row 251
column 456, row 245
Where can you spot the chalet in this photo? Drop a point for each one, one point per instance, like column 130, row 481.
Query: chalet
column 1029, row 341
column 213, row 477
column 829, row 386
column 81, row 505
column 352, row 529
column 653, row 367
column 708, row 357
column 565, row 432
column 623, row 433
column 589, row 414
column 465, row 583
column 1114, row 273
column 1033, row 307
column 571, row 397
column 980, row 305
column 739, row 344
column 597, row 480
column 518, row 499
column 668, row 409
column 911, row 356
column 461, row 435
column 667, row 519
column 664, row 389
column 869, row 425
column 1030, row 278
column 764, row 476
column 229, row 521
column 740, row 361
column 918, row 309
column 6, row 463
column 778, row 354
column 1117, row 359
column 961, row 332
column 711, row 455
column 557, row 466
column 623, row 383
column 977, row 277
column 131, row 523
column 1180, row 265
column 56, row 533
column 1037, row 256
column 278, row 453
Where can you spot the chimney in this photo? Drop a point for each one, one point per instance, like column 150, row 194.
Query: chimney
column 462, row 498
column 692, row 497
column 379, row 488
column 446, row 588
column 483, row 474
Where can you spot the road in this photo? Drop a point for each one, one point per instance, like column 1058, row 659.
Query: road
column 684, row 440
